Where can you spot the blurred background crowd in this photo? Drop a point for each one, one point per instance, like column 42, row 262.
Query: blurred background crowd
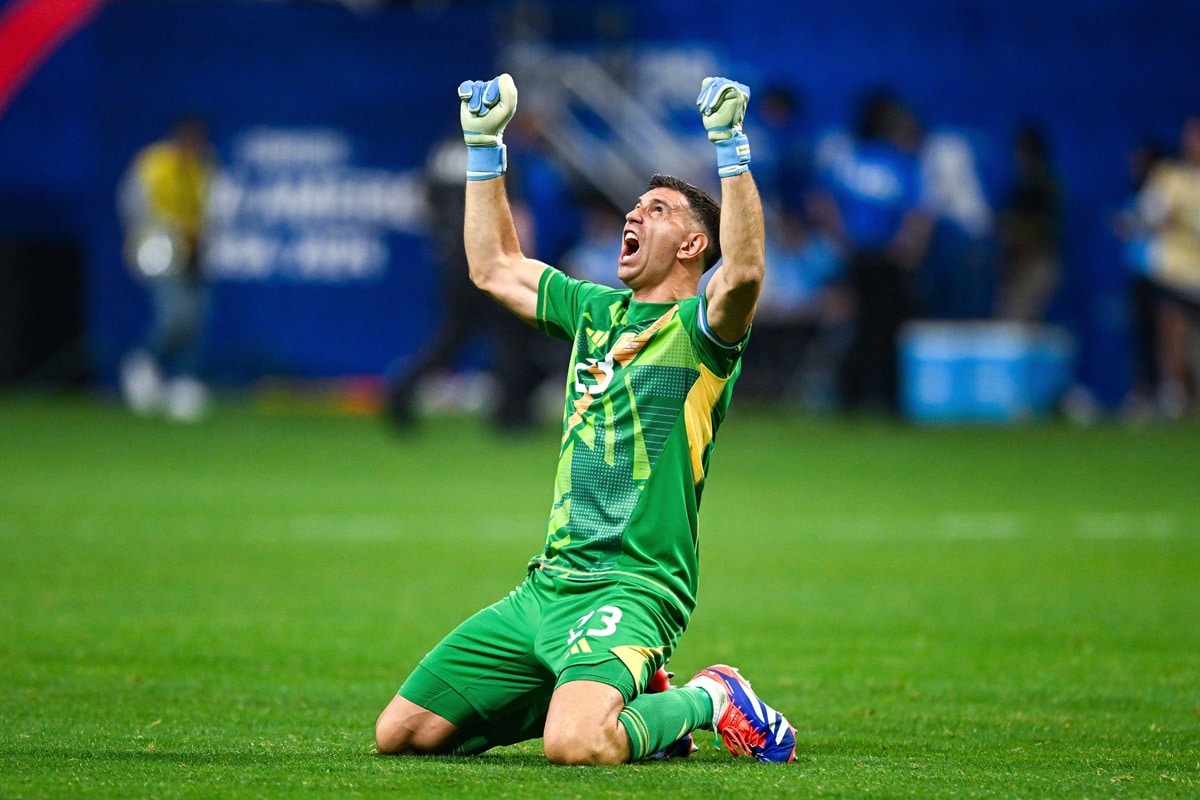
column 976, row 210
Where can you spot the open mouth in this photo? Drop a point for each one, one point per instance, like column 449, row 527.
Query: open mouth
column 629, row 244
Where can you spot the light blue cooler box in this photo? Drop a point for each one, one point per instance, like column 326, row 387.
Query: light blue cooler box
column 982, row 371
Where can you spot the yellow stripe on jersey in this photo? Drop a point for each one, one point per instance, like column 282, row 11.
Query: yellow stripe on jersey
column 697, row 416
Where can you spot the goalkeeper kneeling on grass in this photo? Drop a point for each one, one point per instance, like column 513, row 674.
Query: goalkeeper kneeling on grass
column 575, row 653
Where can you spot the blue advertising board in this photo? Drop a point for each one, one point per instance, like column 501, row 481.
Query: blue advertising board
column 322, row 118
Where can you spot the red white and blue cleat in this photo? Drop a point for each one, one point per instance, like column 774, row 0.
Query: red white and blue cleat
column 744, row 723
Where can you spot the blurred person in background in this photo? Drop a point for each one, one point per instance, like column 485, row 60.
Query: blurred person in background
column 163, row 199
column 591, row 257
column 959, row 276
column 1030, row 231
column 874, row 206
column 1169, row 206
column 786, row 175
column 804, row 322
column 1144, row 299
column 515, row 357
column 463, row 313
column 804, row 319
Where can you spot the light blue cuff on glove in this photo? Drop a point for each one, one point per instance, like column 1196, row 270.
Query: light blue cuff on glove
column 733, row 155
column 485, row 163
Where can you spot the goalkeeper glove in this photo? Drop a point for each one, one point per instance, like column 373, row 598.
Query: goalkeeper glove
column 487, row 106
column 722, row 105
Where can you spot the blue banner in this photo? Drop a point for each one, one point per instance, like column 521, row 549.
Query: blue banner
column 322, row 118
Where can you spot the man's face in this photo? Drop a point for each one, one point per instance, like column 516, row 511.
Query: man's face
column 191, row 137
column 654, row 231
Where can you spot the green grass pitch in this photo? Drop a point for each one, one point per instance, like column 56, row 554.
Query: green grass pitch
column 221, row 610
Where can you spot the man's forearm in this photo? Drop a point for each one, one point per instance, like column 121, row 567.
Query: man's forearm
column 489, row 234
column 743, row 236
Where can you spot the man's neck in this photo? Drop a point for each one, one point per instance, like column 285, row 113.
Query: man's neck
column 678, row 287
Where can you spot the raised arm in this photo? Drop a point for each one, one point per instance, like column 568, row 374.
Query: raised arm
column 497, row 264
column 734, row 288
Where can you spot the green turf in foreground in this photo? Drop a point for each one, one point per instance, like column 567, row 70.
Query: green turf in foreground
column 222, row 610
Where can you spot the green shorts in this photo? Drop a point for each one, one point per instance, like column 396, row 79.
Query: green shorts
column 506, row 660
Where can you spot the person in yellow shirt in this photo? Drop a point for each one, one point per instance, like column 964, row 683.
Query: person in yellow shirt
column 163, row 199
column 1169, row 207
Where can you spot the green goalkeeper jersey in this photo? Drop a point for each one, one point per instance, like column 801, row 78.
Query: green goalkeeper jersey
column 648, row 387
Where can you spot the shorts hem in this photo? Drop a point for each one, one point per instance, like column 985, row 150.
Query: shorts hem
column 431, row 693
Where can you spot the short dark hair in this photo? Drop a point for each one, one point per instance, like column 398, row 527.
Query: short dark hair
column 706, row 209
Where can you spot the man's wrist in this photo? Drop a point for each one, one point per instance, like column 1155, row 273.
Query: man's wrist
column 485, row 163
column 733, row 155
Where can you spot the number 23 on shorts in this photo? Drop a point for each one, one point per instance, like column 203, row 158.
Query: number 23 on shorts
column 606, row 617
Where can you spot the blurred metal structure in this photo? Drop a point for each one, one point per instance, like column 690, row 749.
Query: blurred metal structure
column 613, row 137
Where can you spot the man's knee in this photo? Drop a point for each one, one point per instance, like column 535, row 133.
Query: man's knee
column 404, row 728
column 582, row 726
column 577, row 747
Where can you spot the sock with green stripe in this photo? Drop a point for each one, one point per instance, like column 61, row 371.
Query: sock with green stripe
column 654, row 721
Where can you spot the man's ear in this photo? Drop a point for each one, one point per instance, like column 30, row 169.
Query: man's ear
column 693, row 246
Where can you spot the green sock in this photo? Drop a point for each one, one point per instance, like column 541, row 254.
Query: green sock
column 654, row 721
